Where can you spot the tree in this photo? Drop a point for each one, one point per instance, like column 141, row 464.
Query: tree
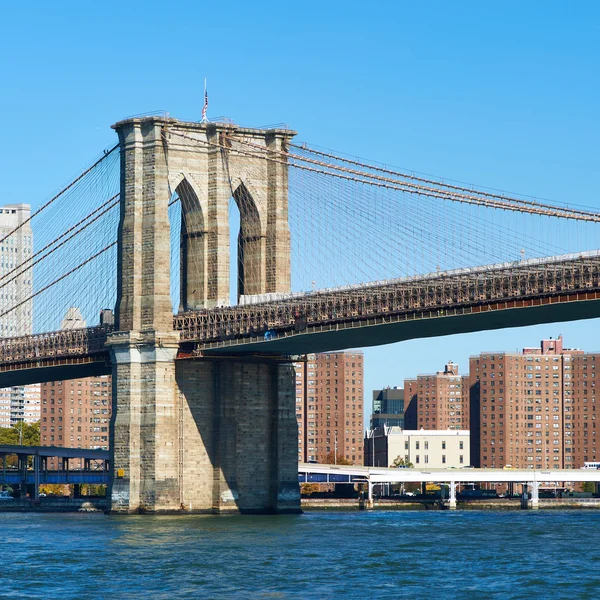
column 331, row 459
column 307, row 489
column 21, row 434
column 55, row 489
column 92, row 489
column 401, row 462
column 589, row 486
column 24, row 434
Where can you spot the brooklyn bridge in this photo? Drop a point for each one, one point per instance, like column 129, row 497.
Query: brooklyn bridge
column 199, row 334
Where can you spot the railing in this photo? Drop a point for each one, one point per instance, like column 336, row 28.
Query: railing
column 562, row 279
column 441, row 294
column 57, row 344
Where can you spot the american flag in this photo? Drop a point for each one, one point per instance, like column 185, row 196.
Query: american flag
column 205, row 107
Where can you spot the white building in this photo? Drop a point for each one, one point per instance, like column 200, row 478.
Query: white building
column 436, row 449
column 20, row 403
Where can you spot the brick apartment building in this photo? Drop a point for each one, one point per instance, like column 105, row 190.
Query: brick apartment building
column 76, row 413
column 536, row 409
column 439, row 401
column 329, row 406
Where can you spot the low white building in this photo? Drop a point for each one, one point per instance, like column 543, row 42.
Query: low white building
column 436, row 449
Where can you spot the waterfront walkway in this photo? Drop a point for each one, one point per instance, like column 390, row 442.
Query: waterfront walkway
column 532, row 478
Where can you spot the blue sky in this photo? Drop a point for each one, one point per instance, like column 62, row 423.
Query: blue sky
column 499, row 94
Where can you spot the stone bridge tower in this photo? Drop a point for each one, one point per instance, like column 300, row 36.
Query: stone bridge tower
column 199, row 434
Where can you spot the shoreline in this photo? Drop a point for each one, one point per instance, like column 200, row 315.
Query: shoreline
column 99, row 505
column 343, row 504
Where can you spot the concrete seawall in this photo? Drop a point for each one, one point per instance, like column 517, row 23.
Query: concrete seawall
column 54, row 504
column 487, row 504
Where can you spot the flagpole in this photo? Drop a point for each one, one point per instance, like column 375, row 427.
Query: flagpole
column 205, row 106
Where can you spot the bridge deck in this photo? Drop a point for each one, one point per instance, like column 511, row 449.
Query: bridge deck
column 559, row 288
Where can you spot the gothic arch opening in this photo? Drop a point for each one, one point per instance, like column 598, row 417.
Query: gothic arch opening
column 192, row 240
column 250, row 245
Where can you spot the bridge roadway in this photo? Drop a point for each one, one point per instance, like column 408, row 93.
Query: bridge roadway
column 317, row 473
column 560, row 288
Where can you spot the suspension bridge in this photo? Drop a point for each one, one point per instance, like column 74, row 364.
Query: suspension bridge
column 331, row 252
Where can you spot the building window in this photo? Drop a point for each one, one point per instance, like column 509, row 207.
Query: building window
column 443, row 459
column 460, row 445
column 443, row 448
column 460, row 458
column 416, row 445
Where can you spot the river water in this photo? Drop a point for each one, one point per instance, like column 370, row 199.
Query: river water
column 441, row 554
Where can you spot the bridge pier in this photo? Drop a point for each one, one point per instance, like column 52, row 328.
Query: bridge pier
column 144, row 427
column 215, row 437
column 240, row 436
column 199, row 435
column 452, row 500
column 534, row 501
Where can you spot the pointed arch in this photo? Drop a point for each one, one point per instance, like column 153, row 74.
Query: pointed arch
column 251, row 244
column 193, row 249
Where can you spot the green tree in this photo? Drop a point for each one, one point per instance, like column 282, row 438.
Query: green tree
column 589, row 486
column 92, row 489
column 24, row 434
column 400, row 462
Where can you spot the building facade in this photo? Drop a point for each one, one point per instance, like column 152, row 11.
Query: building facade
column 422, row 448
column 437, row 402
column 76, row 413
column 536, row 409
column 330, row 407
column 388, row 408
column 19, row 403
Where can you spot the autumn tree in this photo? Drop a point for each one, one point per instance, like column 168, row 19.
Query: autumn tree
column 331, row 459
column 400, row 462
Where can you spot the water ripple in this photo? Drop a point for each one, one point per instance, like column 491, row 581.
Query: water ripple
column 317, row 555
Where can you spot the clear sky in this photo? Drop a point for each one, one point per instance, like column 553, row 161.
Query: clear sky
column 503, row 94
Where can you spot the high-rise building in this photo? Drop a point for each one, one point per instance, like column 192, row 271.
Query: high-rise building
column 15, row 277
column 76, row 413
column 388, row 408
column 437, row 401
column 329, row 407
column 536, row 409
column 581, row 437
column 18, row 403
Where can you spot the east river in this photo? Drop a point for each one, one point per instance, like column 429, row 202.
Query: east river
column 441, row 554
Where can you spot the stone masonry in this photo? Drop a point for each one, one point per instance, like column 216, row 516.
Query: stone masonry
column 198, row 435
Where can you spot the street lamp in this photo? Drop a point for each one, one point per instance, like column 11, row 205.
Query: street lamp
column 335, row 448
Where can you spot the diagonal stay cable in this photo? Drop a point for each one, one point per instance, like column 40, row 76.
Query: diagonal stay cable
column 57, row 280
column 59, row 194
column 25, row 266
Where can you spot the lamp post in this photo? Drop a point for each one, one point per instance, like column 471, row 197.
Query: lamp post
column 335, row 448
